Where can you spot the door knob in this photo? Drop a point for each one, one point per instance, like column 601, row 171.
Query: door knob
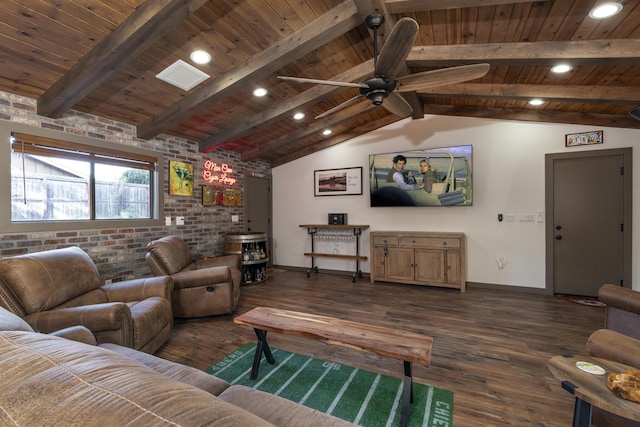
column 558, row 237
column 558, row 227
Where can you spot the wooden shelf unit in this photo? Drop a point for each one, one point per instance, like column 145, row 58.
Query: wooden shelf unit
column 312, row 230
column 419, row 258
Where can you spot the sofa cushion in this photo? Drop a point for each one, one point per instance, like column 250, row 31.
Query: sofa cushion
column 175, row 371
column 52, row 381
column 35, row 278
column 277, row 410
column 11, row 322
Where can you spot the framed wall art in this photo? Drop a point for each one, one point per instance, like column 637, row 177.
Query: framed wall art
column 585, row 138
column 180, row 179
column 337, row 182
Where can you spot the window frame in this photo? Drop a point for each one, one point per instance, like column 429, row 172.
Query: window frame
column 157, row 190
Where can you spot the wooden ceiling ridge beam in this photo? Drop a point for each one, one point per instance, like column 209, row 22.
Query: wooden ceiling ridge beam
column 313, row 129
column 325, row 28
column 280, row 110
column 561, row 93
column 527, row 53
column 152, row 20
column 408, row 6
column 345, row 136
column 589, row 119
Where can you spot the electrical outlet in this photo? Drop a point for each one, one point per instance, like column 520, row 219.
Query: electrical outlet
column 235, row 218
column 540, row 215
column 179, row 220
column 167, row 220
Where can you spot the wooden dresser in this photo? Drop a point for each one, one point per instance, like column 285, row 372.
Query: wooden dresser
column 419, row 258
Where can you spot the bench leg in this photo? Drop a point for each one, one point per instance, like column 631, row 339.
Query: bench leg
column 261, row 347
column 407, row 394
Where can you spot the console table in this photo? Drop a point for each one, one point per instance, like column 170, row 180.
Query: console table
column 312, row 230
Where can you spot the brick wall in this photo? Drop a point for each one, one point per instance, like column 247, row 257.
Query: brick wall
column 119, row 252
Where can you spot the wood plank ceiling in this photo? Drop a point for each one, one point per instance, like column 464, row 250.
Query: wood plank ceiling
column 102, row 56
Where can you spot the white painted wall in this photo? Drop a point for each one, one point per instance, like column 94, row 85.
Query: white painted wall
column 508, row 177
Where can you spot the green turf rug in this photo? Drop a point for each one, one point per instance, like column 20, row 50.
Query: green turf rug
column 361, row 397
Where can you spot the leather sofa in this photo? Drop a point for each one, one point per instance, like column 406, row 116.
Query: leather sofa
column 60, row 288
column 50, row 380
column 619, row 341
column 201, row 287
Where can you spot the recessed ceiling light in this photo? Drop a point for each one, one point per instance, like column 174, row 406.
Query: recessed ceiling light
column 200, row 57
column 605, row 10
column 260, row 92
column 536, row 102
column 326, row 132
column 298, row 116
column 561, row 68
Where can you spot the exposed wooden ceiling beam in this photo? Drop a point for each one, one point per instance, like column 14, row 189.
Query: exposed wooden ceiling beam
column 315, row 128
column 325, row 28
column 152, row 20
column 575, row 52
column 285, row 108
column 408, row 6
column 535, row 116
column 371, row 126
column 561, row 93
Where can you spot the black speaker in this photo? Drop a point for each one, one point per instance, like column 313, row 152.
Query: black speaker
column 635, row 113
column 337, row 218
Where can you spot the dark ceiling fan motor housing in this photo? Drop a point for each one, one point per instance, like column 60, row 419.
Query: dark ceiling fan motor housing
column 379, row 88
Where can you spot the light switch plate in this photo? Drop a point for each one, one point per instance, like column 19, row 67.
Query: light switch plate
column 179, row 220
column 167, row 220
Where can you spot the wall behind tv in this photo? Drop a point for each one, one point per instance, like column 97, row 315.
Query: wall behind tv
column 508, row 167
column 119, row 251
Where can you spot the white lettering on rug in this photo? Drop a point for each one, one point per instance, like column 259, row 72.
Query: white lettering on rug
column 331, row 365
column 442, row 415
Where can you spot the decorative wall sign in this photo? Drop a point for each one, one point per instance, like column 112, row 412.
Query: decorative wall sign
column 215, row 196
column 180, row 179
column 585, row 138
column 337, row 182
column 218, row 173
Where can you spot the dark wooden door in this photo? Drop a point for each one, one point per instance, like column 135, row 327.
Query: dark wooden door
column 586, row 233
column 258, row 208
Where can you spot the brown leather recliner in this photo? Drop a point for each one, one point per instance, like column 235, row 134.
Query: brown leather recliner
column 202, row 287
column 60, row 288
column 620, row 341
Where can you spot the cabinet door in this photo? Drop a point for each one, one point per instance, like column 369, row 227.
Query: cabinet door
column 399, row 264
column 378, row 263
column 454, row 267
column 430, row 265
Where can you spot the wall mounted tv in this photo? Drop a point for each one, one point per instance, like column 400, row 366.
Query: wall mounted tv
column 430, row 177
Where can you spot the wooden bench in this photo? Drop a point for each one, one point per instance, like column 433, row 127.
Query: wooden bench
column 402, row 345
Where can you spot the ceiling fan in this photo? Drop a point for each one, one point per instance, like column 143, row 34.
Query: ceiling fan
column 384, row 86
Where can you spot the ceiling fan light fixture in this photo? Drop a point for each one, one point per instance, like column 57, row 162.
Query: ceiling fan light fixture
column 259, row 92
column 536, row 102
column 298, row 116
column 200, row 57
column 605, row 10
column 561, row 68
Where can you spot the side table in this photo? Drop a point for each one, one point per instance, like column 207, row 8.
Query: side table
column 591, row 390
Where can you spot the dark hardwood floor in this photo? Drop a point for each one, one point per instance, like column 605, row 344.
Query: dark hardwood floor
column 490, row 346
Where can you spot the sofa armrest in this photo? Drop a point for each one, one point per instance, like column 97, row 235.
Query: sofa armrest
column 231, row 261
column 622, row 298
column 203, row 277
column 611, row 345
column 139, row 289
column 76, row 333
column 96, row 317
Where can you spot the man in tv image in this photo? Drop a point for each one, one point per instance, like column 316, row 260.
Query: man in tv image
column 404, row 179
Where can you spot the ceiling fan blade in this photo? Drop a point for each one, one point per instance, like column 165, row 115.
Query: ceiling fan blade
column 444, row 76
column 322, row 82
column 340, row 106
column 396, row 104
column 396, row 49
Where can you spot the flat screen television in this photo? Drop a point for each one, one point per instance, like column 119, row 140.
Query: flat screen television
column 429, row 177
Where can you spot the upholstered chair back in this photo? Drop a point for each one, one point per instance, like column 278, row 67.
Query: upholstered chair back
column 31, row 283
column 169, row 255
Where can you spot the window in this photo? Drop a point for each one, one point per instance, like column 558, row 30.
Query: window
column 56, row 180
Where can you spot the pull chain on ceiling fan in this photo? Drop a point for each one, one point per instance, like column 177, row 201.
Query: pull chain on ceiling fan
column 383, row 88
